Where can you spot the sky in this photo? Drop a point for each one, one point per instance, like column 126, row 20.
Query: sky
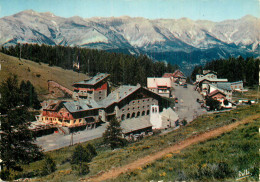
column 214, row 10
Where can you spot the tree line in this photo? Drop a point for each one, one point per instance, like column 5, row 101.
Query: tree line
column 124, row 69
column 234, row 69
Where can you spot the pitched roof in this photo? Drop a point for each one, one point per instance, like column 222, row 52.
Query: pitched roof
column 167, row 75
column 208, row 71
column 134, row 124
column 214, row 80
column 81, row 105
column 237, row 82
column 170, row 114
column 224, row 85
column 155, row 82
column 215, row 92
column 178, row 73
column 94, row 80
column 53, row 105
column 118, row 95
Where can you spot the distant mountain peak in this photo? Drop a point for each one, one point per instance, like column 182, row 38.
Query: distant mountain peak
column 136, row 34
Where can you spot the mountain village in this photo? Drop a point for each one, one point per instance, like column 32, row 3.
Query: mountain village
column 141, row 110
column 129, row 98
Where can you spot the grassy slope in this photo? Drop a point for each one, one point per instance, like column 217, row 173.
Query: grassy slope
column 12, row 64
column 108, row 159
column 237, row 150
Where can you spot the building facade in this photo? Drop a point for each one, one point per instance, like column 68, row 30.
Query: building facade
column 94, row 88
column 124, row 103
column 161, row 86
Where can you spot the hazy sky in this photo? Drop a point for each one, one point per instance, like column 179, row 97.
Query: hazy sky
column 215, row 10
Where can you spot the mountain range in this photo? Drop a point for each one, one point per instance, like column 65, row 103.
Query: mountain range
column 182, row 41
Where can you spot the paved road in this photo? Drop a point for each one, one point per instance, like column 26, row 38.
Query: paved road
column 56, row 140
column 188, row 108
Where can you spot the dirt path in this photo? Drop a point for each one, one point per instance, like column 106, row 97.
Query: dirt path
column 150, row 158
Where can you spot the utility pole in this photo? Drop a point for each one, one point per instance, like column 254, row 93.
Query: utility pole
column 71, row 139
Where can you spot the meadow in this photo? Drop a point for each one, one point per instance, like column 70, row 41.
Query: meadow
column 37, row 73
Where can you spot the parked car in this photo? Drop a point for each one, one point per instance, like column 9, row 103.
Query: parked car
column 185, row 85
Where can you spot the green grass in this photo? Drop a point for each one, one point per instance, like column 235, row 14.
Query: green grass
column 107, row 159
column 28, row 70
column 235, row 151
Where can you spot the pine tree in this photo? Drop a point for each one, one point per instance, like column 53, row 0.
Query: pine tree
column 112, row 135
column 16, row 143
column 80, row 158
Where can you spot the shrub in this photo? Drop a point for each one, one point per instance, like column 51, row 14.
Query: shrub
column 91, row 149
column 48, row 166
column 80, row 155
column 81, row 168
column 38, row 75
column 212, row 103
column 5, row 175
column 184, row 122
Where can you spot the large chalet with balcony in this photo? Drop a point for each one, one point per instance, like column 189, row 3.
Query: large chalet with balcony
column 93, row 88
column 161, row 86
column 90, row 108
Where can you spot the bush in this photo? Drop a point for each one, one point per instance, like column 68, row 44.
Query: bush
column 81, row 168
column 5, row 175
column 212, row 103
column 80, row 155
column 91, row 149
column 184, row 122
column 48, row 166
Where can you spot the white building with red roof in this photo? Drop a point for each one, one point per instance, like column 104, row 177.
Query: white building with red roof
column 161, row 86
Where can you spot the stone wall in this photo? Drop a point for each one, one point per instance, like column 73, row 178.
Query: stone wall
column 57, row 89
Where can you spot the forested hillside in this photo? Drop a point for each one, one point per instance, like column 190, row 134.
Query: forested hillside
column 124, row 69
column 234, row 69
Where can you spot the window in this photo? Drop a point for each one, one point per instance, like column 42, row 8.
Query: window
column 100, row 98
column 100, row 92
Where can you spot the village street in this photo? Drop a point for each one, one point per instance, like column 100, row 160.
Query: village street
column 56, row 140
column 188, row 108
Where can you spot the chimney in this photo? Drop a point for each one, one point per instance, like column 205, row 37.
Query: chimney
column 117, row 96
